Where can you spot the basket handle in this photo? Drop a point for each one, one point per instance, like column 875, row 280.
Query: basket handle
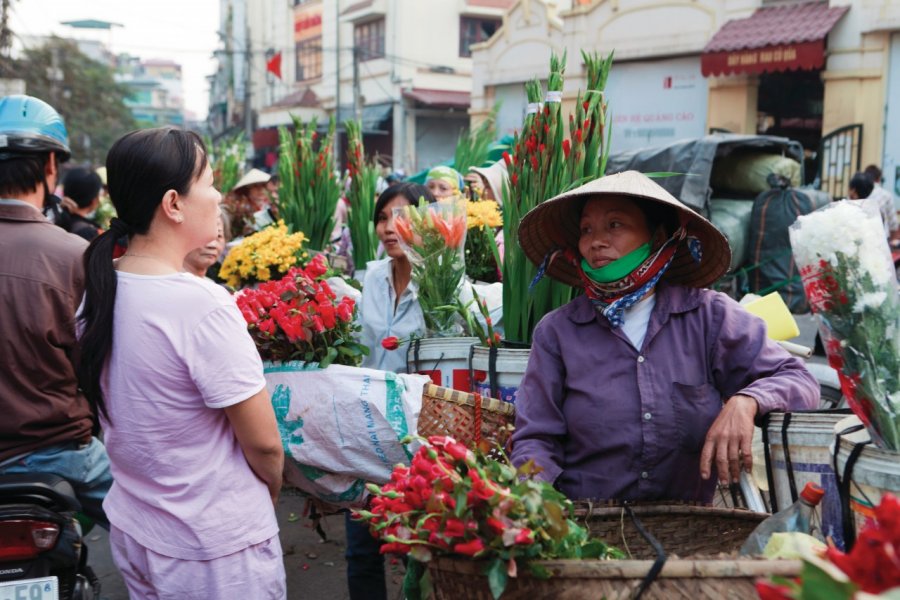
column 788, row 463
column 661, row 557
column 843, row 481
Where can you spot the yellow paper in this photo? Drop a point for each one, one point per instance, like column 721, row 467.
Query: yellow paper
column 780, row 322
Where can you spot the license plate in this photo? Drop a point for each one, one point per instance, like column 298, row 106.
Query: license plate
column 45, row 588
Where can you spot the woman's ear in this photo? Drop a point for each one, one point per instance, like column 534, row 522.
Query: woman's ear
column 171, row 206
column 659, row 236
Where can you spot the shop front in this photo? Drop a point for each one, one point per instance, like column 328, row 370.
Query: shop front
column 766, row 76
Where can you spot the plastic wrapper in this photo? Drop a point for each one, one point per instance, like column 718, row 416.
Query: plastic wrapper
column 434, row 238
column 851, row 286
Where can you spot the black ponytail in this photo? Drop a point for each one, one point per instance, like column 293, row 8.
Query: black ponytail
column 141, row 167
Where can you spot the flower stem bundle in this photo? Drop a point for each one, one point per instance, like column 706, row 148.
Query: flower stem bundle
column 363, row 179
column 544, row 164
column 227, row 161
column 309, row 186
column 473, row 144
column 851, row 286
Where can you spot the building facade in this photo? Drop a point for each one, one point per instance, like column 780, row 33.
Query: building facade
column 157, row 93
column 825, row 73
column 403, row 67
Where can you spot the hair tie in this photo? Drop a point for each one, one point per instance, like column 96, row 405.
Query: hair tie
column 119, row 227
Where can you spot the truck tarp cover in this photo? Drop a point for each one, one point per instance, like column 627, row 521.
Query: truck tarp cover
column 693, row 160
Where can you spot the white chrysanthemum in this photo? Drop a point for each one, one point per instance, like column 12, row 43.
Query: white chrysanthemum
column 869, row 300
column 842, row 231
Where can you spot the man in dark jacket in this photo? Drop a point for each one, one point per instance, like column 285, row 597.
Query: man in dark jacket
column 47, row 422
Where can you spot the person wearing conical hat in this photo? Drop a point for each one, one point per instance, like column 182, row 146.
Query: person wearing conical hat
column 646, row 386
column 249, row 205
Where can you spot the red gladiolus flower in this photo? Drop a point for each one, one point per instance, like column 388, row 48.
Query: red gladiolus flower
column 390, row 343
column 585, row 105
column 514, row 178
column 454, row 528
column 578, row 135
column 525, row 537
column 567, row 147
column 773, row 591
column 586, row 126
column 470, row 548
column 506, row 158
column 394, row 548
column 534, row 163
column 457, row 451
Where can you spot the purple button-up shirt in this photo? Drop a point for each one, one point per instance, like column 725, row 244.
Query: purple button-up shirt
column 606, row 421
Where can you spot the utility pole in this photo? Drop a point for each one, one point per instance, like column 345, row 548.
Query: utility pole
column 337, row 86
column 248, row 111
column 357, row 97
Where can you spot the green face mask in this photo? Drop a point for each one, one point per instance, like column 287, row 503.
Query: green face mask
column 618, row 268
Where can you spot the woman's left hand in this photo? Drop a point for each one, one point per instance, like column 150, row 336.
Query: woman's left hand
column 728, row 439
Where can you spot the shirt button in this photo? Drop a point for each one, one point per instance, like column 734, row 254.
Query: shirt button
column 647, row 416
column 640, row 359
column 645, row 475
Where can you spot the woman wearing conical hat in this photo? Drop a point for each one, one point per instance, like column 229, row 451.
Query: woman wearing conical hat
column 646, row 386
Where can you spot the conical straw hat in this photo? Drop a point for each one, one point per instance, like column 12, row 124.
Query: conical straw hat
column 554, row 225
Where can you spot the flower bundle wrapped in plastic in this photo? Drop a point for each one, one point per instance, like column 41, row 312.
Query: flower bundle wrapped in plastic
column 299, row 318
column 871, row 567
column 434, row 237
column 258, row 256
column 852, row 288
column 455, row 502
column 482, row 254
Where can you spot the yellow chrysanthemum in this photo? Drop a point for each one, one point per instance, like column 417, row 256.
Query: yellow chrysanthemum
column 483, row 214
column 259, row 254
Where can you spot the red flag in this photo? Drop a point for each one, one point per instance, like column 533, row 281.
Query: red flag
column 273, row 65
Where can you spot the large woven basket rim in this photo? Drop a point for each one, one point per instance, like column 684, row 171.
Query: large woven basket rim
column 685, row 568
column 467, row 399
column 588, row 509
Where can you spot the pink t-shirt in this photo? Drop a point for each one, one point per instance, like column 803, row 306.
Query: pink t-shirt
column 180, row 354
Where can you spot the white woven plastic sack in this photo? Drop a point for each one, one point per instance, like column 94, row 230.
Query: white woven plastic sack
column 341, row 426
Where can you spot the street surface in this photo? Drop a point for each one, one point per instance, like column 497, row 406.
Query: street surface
column 315, row 569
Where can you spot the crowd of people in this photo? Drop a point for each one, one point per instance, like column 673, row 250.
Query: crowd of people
column 190, row 463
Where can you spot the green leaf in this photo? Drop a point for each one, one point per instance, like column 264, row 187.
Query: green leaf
column 497, row 577
column 329, row 358
column 538, row 570
column 412, row 581
column 819, row 585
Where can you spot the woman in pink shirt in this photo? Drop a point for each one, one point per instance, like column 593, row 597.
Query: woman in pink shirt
column 168, row 364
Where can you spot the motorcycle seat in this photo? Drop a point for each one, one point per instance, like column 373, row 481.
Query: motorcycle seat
column 45, row 489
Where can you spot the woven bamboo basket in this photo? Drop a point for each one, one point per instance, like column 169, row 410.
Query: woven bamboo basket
column 469, row 418
column 711, row 579
column 700, row 544
column 681, row 529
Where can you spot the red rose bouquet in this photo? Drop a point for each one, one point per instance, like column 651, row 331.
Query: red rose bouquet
column 300, row 318
column 453, row 501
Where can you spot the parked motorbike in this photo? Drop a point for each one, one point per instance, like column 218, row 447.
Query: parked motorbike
column 42, row 551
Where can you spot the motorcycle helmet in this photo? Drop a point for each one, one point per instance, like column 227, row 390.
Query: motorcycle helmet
column 30, row 126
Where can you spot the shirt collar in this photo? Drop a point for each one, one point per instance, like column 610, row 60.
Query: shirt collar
column 17, row 210
column 670, row 299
